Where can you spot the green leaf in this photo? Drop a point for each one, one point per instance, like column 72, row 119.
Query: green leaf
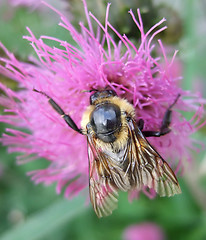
column 47, row 221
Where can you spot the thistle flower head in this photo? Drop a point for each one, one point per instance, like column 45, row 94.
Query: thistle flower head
column 66, row 73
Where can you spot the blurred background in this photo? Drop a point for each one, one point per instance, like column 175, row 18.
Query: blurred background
column 35, row 212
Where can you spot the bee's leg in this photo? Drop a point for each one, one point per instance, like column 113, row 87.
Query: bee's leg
column 140, row 124
column 58, row 109
column 164, row 129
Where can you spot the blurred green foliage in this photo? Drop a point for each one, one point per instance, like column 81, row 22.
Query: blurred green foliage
column 13, row 23
column 35, row 212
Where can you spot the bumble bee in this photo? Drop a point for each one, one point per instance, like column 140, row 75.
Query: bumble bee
column 120, row 157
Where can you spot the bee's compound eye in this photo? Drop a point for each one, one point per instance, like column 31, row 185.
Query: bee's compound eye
column 106, row 118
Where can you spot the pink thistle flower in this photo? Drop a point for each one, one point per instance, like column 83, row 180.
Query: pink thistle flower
column 94, row 62
column 143, row 231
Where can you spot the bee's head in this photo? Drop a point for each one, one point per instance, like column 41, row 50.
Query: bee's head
column 98, row 95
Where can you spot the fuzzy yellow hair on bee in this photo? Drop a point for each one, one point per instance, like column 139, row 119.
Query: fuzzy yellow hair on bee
column 121, row 133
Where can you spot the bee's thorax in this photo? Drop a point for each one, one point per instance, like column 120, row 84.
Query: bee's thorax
column 105, row 121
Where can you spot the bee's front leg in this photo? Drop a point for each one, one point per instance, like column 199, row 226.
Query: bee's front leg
column 59, row 110
column 164, row 129
column 140, row 124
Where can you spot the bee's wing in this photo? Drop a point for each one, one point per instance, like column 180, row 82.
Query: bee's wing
column 147, row 168
column 105, row 179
